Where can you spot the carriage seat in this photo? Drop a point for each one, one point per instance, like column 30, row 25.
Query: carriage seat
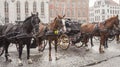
column 73, row 27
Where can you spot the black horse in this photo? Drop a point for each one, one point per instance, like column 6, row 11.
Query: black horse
column 20, row 34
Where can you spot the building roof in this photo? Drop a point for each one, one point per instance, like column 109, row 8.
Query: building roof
column 108, row 2
column 111, row 2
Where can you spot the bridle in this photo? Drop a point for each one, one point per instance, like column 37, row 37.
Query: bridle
column 35, row 26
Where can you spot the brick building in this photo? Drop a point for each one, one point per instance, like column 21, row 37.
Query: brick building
column 74, row 9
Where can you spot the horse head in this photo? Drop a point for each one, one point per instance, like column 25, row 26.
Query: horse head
column 31, row 23
column 59, row 23
column 112, row 22
column 116, row 22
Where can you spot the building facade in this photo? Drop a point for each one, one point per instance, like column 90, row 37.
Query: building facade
column 18, row 10
column 102, row 10
column 74, row 9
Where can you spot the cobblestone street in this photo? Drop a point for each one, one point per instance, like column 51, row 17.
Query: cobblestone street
column 73, row 57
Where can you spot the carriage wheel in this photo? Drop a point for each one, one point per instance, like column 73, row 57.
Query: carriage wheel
column 1, row 50
column 63, row 41
column 44, row 43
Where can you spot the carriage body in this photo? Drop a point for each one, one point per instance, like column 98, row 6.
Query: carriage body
column 71, row 36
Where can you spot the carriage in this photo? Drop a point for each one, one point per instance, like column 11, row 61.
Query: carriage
column 72, row 36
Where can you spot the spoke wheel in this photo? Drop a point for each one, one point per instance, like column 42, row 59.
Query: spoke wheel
column 63, row 41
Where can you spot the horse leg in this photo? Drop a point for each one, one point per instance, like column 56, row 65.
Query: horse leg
column 83, row 41
column 50, row 59
column 28, row 54
column 86, row 41
column 106, row 43
column 91, row 39
column 39, row 44
column 102, row 41
column 20, row 53
column 56, row 54
column 6, row 51
column 117, row 38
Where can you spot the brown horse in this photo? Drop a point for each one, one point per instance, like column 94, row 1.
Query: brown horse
column 50, row 32
column 99, row 29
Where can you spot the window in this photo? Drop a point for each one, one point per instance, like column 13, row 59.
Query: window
column 6, row 12
column 73, row 12
column 42, row 8
column 108, row 10
column 26, row 9
column 63, row 9
column 18, row 10
column 51, row 12
column 103, row 11
column 68, row 13
column 79, row 12
column 57, row 11
column 99, row 2
column 103, row 18
column 34, row 7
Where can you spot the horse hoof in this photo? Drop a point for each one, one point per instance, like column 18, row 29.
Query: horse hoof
column 92, row 46
column 57, row 58
column 87, row 49
column 102, row 52
column 105, row 47
column 20, row 64
column 9, row 60
column 30, row 61
column 118, row 42
column 50, row 59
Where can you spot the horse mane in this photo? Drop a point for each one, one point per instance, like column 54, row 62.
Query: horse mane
column 110, row 19
column 27, row 19
column 51, row 25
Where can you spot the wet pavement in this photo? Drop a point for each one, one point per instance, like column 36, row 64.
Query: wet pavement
column 73, row 57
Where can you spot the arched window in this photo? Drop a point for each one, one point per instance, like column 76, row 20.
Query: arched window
column 68, row 12
column 79, row 12
column 26, row 9
column 42, row 8
column 34, row 7
column 18, row 10
column 6, row 8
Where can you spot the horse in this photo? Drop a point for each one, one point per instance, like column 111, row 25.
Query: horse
column 99, row 29
column 51, row 33
column 21, row 35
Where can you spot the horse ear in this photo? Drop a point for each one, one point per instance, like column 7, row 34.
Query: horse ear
column 31, row 13
column 37, row 14
column 55, row 18
column 117, row 16
column 64, row 15
column 59, row 16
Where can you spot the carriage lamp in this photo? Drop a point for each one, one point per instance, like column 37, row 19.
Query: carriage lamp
column 56, row 32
